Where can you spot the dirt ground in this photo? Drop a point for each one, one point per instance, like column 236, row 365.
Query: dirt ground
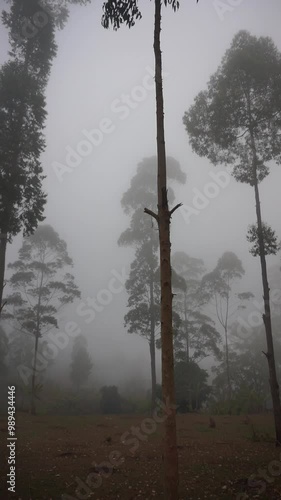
column 57, row 455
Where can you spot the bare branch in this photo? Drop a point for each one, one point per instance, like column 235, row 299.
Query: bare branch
column 149, row 212
column 175, row 208
column 3, row 305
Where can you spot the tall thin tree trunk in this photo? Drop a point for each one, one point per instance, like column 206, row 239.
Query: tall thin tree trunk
column 33, row 380
column 227, row 351
column 227, row 370
column 187, row 349
column 32, row 406
column 168, row 386
column 273, row 381
column 152, row 342
column 3, row 246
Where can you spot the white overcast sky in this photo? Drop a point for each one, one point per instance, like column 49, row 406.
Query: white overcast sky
column 93, row 68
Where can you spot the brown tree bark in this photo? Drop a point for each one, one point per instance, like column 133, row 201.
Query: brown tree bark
column 186, row 333
column 227, row 352
column 273, row 381
column 3, row 246
column 32, row 397
column 32, row 401
column 152, row 342
column 168, row 386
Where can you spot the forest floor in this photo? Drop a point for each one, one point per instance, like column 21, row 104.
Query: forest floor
column 56, row 456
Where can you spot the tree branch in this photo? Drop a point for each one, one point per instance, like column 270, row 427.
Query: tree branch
column 149, row 212
column 174, row 209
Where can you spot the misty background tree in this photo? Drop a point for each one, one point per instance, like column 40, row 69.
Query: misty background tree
column 217, row 285
column 197, row 336
column 143, row 285
column 41, row 285
column 81, row 362
column 237, row 122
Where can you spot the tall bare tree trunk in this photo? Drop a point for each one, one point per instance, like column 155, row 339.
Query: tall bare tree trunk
column 32, row 405
column 168, row 386
column 273, row 381
column 187, row 349
column 3, row 246
column 152, row 342
column 32, row 397
column 227, row 351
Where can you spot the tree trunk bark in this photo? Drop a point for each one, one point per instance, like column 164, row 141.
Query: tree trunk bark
column 187, row 350
column 227, row 371
column 168, row 387
column 227, row 350
column 152, row 342
column 32, row 400
column 273, row 381
column 32, row 407
column 3, row 246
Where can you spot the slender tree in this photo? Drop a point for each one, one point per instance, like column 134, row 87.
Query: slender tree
column 42, row 285
column 143, row 289
column 218, row 285
column 237, row 121
column 127, row 12
column 196, row 337
column 249, row 376
column 143, row 235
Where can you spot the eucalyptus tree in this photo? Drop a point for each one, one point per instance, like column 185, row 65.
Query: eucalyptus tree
column 218, row 285
column 143, row 283
column 41, row 284
column 116, row 14
column 143, row 316
column 197, row 337
column 237, row 122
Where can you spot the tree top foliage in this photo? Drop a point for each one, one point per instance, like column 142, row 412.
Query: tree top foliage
column 241, row 106
column 143, row 189
column 218, row 281
column 118, row 12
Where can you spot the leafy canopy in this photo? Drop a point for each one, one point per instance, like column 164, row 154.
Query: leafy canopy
column 242, row 102
column 40, row 281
